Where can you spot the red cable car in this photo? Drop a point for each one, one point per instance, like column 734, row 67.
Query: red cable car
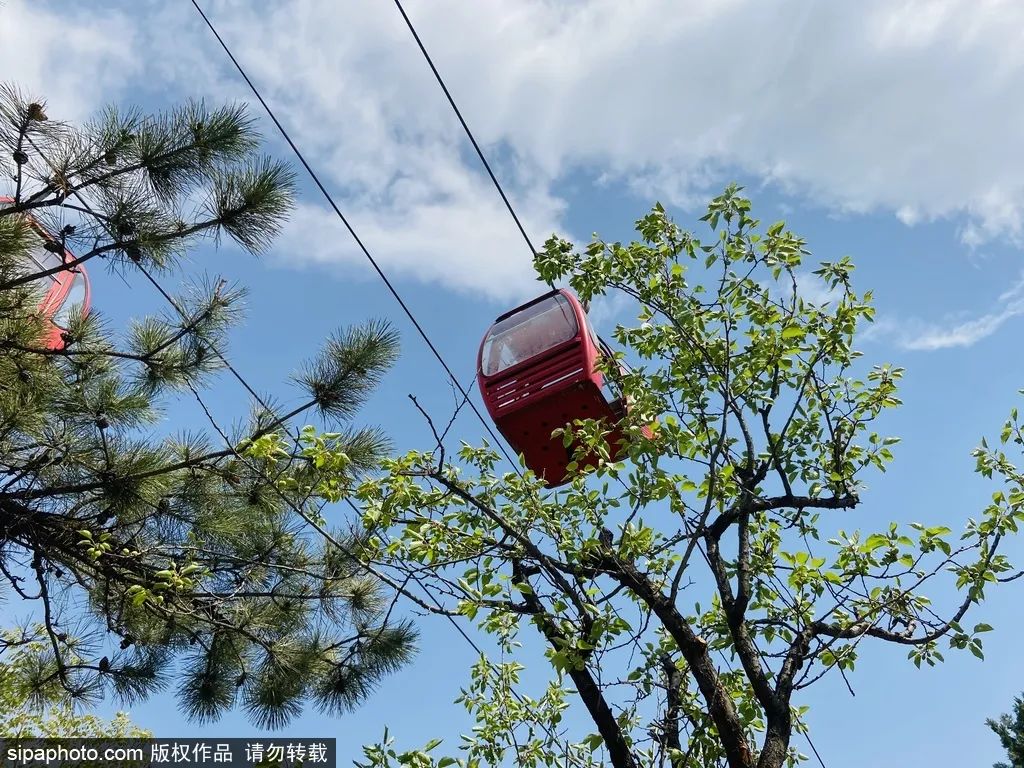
column 536, row 371
column 64, row 289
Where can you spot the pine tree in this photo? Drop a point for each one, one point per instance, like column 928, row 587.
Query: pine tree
column 1010, row 730
column 25, row 714
column 149, row 554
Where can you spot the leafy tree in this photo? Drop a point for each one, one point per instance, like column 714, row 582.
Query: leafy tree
column 24, row 713
column 1010, row 730
column 146, row 554
column 688, row 597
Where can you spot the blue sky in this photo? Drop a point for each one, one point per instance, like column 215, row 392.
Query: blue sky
column 883, row 130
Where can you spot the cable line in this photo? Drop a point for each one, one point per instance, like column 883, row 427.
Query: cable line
column 465, row 126
column 351, row 230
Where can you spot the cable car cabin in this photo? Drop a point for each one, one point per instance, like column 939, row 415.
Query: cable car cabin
column 536, row 371
column 63, row 290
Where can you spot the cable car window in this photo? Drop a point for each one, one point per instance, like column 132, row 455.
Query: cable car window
column 42, row 260
column 528, row 333
column 76, row 295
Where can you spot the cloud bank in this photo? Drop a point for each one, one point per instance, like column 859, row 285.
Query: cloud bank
column 903, row 107
column 952, row 332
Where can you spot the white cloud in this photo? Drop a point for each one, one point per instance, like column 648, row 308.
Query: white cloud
column 73, row 58
column 902, row 106
column 609, row 310
column 814, row 289
column 915, row 334
column 460, row 239
column 908, row 107
column 908, row 214
column 809, row 287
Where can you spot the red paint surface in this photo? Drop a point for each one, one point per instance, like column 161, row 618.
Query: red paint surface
column 66, row 287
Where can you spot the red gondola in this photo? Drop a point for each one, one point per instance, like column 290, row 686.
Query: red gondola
column 537, row 372
column 64, row 289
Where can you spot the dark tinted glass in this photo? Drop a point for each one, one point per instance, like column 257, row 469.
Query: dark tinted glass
column 528, row 333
